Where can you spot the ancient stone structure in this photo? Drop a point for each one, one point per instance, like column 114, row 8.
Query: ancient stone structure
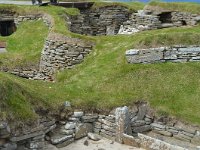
column 110, row 20
column 100, row 21
column 61, row 52
column 148, row 20
column 177, row 53
column 73, row 125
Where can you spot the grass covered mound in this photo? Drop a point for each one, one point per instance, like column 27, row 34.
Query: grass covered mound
column 105, row 80
column 177, row 6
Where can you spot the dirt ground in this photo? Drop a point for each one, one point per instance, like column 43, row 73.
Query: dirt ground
column 103, row 144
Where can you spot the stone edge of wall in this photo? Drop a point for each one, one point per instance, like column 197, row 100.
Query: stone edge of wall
column 176, row 53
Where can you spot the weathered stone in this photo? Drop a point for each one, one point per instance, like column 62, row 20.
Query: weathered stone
column 142, row 112
column 188, row 134
column 130, row 140
column 183, row 137
column 138, row 123
column 78, row 114
column 108, row 128
column 168, row 54
column 98, row 125
column 165, row 133
column 141, row 129
column 132, row 52
column 156, row 144
column 59, row 139
column 94, row 137
column 89, row 118
column 122, row 122
column 157, row 125
column 65, row 143
column 196, row 140
column 23, row 137
column 172, row 130
column 10, row 146
column 70, row 126
column 67, row 132
column 106, row 122
column 82, row 130
column 110, row 137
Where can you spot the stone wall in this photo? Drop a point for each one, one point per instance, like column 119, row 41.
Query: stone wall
column 100, row 21
column 164, row 54
column 145, row 20
column 61, row 52
column 131, row 126
column 47, row 19
column 112, row 20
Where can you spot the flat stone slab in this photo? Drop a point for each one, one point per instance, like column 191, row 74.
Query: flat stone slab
column 3, row 50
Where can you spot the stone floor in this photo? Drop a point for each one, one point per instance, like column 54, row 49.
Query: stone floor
column 103, row 144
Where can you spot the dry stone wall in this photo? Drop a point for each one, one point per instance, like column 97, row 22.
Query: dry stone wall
column 130, row 126
column 164, row 54
column 145, row 20
column 61, row 52
column 111, row 20
column 99, row 21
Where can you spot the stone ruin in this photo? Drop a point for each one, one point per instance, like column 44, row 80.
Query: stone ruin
column 111, row 20
column 176, row 53
column 136, row 126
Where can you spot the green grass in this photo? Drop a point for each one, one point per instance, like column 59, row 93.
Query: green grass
column 104, row 80
column 178, row 6
column 24, row 46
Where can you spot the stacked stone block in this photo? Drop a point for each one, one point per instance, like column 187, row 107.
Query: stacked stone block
column 176, row 53
column 106, row 126
column 101, row 21
column 60, row 53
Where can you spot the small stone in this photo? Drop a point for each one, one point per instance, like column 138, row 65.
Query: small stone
column 70, row 126
column 141, row 129
column 157, row 125
column 59, row 139
column 82, row 130
column 78, row 114
column 65, row 143
column 142, row 112
column 67, row 132
column 67, row 104
column 93, row 136
column 86, row 143
column 165, row 133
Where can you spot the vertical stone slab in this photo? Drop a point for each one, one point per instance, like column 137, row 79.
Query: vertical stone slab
column 122, row 122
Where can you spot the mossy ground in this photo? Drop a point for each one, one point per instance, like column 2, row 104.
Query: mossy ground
column 104, row 80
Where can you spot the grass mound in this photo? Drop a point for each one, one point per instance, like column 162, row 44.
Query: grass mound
column 105, row 80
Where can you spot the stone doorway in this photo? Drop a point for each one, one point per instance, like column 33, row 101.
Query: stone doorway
column 7, row 27
column 165, row 17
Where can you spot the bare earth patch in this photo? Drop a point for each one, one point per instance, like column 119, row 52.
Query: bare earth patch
column 103, row 144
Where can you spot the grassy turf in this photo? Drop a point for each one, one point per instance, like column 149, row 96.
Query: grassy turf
column 178, row 6
column 105, row 80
